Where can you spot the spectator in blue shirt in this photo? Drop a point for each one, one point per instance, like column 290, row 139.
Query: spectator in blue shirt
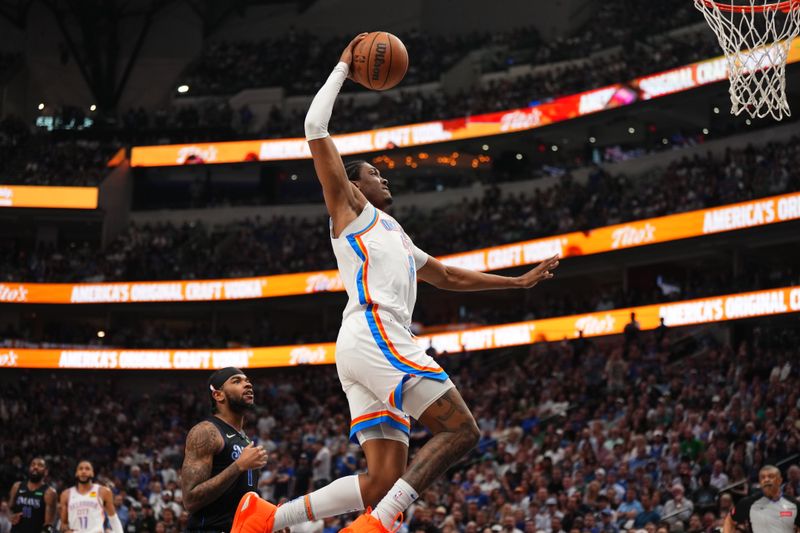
column 630, row 508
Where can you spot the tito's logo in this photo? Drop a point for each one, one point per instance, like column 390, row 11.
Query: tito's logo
column 631, row 235
column 380, row 59
column 8, row 358
column 9, row 293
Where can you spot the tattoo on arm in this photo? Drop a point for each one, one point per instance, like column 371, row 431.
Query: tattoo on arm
column 198, row 489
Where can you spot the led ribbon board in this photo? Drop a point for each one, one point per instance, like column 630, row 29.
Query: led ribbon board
column 754, row 213
column 690, row 312
column 47, row 197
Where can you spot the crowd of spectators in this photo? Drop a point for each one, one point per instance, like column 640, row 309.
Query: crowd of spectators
column 78, row 163
column 586, row 436
column 505, row 93
column 81, row 162
column 227, row 67
column 261, row 246
column 143, row 333
column 416, row 106
column 28, row 158
column 299, row 61
column 622, row 24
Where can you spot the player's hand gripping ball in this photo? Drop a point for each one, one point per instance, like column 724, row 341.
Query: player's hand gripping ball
column 380, row 61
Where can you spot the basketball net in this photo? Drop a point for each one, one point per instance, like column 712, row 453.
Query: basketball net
column 756, row 36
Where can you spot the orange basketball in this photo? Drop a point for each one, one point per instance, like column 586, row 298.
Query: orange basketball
column 380, row 61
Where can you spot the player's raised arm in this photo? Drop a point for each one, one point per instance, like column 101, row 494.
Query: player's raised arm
column 343, row 200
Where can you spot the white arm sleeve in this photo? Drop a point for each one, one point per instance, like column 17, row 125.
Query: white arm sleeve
column 420, row 257
column 116, row 525
column 319, row 113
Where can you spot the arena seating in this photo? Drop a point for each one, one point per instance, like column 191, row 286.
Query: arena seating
column 660, row 431
column 572, row 433
column 280, row 245
column 228, row 67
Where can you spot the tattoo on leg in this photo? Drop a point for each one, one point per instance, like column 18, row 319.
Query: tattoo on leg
column 455, row 434
column 446, row 401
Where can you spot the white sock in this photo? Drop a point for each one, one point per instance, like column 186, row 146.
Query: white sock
column 397, row 500
column 338, row 497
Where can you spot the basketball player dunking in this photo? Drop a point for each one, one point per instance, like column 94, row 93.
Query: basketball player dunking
column 85, row 506
column 221, row 464
column 386, row 376
column 33, row 503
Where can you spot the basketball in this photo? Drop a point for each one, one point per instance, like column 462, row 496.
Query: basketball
column 380, row 61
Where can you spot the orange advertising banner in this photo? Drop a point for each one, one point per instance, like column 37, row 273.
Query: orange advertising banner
column 513, row 120
column 685, row 313
column 48, row 197
column 731, row 217
column 420, row 134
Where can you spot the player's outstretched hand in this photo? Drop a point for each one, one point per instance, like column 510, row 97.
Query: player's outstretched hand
column 347, row 55
column 252, row 457
column 540, row 273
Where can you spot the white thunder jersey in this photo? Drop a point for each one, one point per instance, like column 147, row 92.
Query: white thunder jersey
column 375, row 351
column 378, row 265
column 85, row 511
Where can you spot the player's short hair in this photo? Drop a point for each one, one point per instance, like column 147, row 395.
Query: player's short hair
column 353, row 169
column 39, row 458
column 769, row 468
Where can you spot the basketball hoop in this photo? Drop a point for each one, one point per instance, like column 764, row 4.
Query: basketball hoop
column 755, row 36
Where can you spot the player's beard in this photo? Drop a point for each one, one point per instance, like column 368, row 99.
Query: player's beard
column 239, row 405
column 36, row 477
column 84, row 481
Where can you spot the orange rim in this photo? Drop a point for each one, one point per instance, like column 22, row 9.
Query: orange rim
column 786, row 6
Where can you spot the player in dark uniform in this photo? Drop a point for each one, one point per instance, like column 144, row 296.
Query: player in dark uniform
column 766, row 511
column 33, row 503
column 221, row 464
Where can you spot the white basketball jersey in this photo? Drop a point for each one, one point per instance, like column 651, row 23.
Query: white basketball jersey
column 85, row 511
column 378, row 265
